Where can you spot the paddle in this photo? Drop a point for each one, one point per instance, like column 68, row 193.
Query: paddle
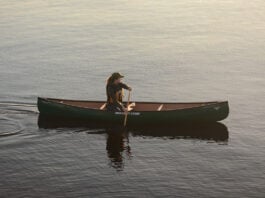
column 126, row 113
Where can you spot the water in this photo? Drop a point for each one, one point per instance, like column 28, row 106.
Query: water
column 169, row 51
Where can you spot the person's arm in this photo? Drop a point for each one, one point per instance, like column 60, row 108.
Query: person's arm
column 125, row 86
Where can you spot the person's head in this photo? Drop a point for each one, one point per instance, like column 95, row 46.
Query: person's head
column 115, row 78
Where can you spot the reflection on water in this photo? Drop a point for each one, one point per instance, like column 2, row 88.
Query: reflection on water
column 117, row 146
column 216, row 131
column 203, row 131
column 117, row 138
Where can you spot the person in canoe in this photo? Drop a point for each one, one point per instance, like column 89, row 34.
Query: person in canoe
column 114, row 91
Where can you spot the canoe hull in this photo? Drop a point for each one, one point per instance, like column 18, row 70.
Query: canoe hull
column 208, row 113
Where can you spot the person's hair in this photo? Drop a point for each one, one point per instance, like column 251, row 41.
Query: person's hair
column 110, row 80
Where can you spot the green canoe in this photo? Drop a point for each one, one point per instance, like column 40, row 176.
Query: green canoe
column 143, row 113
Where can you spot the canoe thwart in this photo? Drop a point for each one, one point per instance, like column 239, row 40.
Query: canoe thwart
column 103, row 106
column 160, row 107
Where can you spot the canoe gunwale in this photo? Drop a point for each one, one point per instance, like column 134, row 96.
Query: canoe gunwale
column 210, row 104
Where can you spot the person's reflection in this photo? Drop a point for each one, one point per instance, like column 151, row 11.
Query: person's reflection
column 117, row 144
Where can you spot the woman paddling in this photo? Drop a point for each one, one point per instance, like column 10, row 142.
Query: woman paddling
column 114, row 92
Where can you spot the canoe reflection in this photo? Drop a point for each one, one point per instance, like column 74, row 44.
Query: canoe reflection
column 208, row 131
column 212, row 131
column 117, row 138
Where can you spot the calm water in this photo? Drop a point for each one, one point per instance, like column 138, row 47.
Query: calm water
column 186, row 50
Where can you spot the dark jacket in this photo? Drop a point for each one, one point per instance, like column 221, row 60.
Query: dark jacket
column 114, row 95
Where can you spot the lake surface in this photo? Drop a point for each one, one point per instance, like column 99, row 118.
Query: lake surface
column 175, row 51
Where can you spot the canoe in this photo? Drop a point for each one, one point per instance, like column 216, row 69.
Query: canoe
column 143, row 113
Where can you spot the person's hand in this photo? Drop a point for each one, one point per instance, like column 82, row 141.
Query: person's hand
column 129, row 88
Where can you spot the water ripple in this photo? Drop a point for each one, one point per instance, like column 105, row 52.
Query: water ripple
column 9, row 127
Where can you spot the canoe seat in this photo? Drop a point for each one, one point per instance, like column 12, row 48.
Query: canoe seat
column 103, row 106
column 160, row 107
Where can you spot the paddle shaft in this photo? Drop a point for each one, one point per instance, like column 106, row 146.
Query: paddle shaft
column 126, row 113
